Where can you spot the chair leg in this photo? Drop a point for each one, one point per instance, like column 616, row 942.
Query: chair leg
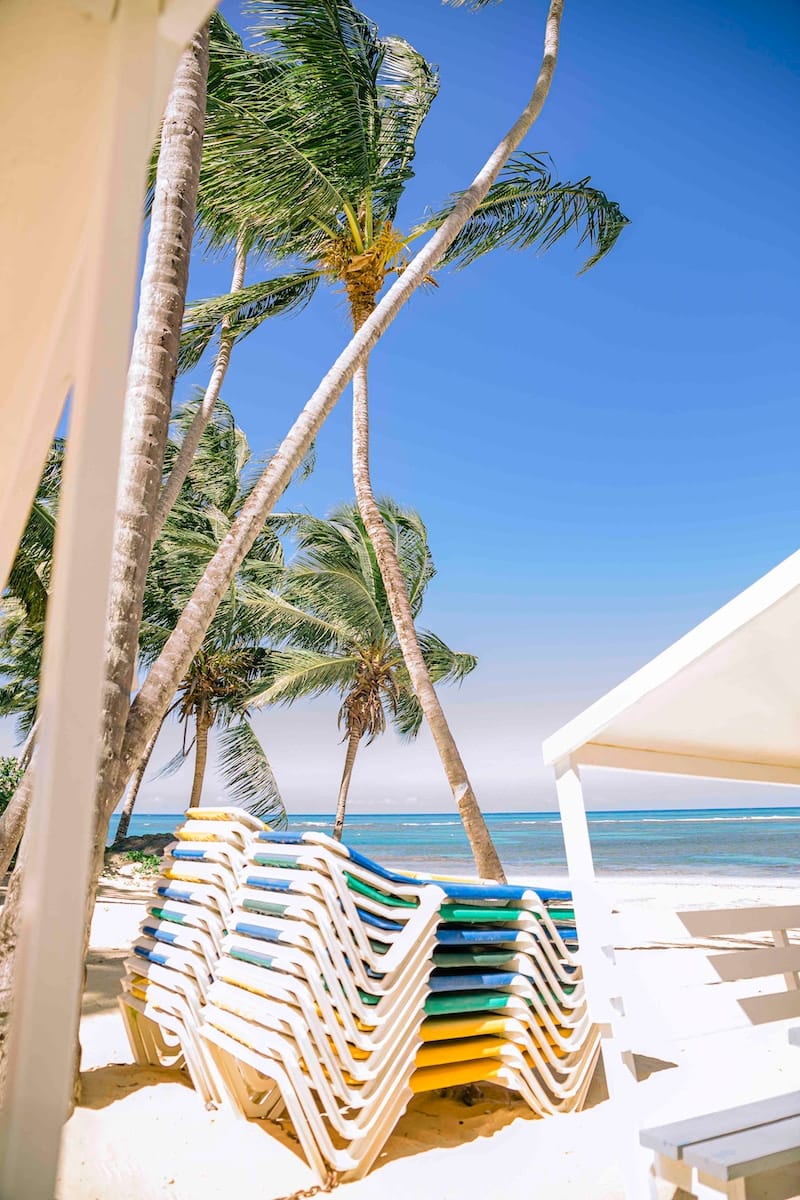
column 670, row 1170
column 705, row 1187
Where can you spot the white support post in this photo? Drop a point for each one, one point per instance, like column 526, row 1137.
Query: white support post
column 49, row 968
column 792, row 978
column 598, row 963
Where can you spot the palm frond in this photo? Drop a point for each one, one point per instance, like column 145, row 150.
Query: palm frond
column 20, row 665
column 473, row 4
column 340, row 54
column 29, row 578
column 444, row 664
column 292, row 134
column 340, row 597
column 528, row 207
column 248, row 777
column 408, row 86
column 26, row 585
column 408, row 716
column 309, row 464
column 174, row 764
column 284, row 621
column 298, row 673
column 195, row 340
column 246, row 310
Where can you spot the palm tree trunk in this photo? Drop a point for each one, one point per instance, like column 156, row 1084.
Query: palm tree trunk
column 200, row 755
column 12, row 824
column 185, row 456
column 483, row 850
column 151, row 380
column 29, row 747
column 185, row 640
column 9, row 926
column 133, row 791
column 344, row 786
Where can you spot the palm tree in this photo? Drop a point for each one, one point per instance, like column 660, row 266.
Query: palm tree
column 333, row 610
column 349, row 160
column 215, row 690
column 219, row 680
column 153, row 699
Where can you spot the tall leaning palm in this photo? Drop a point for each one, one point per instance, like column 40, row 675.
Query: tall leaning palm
column 342, row 165
column 333, row 611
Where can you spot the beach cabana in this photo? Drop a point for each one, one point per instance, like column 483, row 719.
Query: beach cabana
column 83, row 87
column 721, row 703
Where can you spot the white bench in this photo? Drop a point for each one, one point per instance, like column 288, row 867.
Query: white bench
column 715, row 1154
column 718, row 1152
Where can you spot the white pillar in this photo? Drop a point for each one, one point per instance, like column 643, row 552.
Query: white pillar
column 598, row 964
column 49, row 965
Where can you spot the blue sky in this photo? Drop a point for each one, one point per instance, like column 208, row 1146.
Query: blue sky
column 601, row 461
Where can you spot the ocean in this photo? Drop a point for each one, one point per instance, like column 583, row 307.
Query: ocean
column 762, row 843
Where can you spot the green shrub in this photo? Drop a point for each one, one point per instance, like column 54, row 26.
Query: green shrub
column 144, row 862
column 10, row 774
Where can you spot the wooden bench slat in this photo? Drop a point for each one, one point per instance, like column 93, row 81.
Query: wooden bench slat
column 756, row 964
column 749, row 1152
column 775, row 1006
column 720, row 921
column 672, row 1140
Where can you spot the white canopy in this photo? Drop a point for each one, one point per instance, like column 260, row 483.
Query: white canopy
column 723, row 701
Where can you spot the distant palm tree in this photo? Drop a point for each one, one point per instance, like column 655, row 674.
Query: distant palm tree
column 333, row 610
column 323, row 138
column 215, row 691
column 24, row 602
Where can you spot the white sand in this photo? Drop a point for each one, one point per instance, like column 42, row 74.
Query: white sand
column 142, row 1134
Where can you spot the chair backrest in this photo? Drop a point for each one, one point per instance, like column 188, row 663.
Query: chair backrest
column 782, row 958
column 701, row 980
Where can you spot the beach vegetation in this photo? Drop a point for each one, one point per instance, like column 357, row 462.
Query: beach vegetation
column 129, row 724
column 10, row 775
column 215, row 691
column 332, row 613
column 322, row 182
column 145, row 864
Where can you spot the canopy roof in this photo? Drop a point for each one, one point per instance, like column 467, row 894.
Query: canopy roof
column 723, row 701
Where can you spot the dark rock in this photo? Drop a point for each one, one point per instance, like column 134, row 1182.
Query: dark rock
column 151, row 843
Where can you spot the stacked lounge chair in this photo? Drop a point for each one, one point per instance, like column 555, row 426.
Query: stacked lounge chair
column 171, row 965
column 342, row 989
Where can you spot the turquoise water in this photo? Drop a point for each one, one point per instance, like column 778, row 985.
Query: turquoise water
column 735, row 842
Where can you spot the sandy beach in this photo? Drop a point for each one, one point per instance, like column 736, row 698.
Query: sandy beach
column 141, row 1133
